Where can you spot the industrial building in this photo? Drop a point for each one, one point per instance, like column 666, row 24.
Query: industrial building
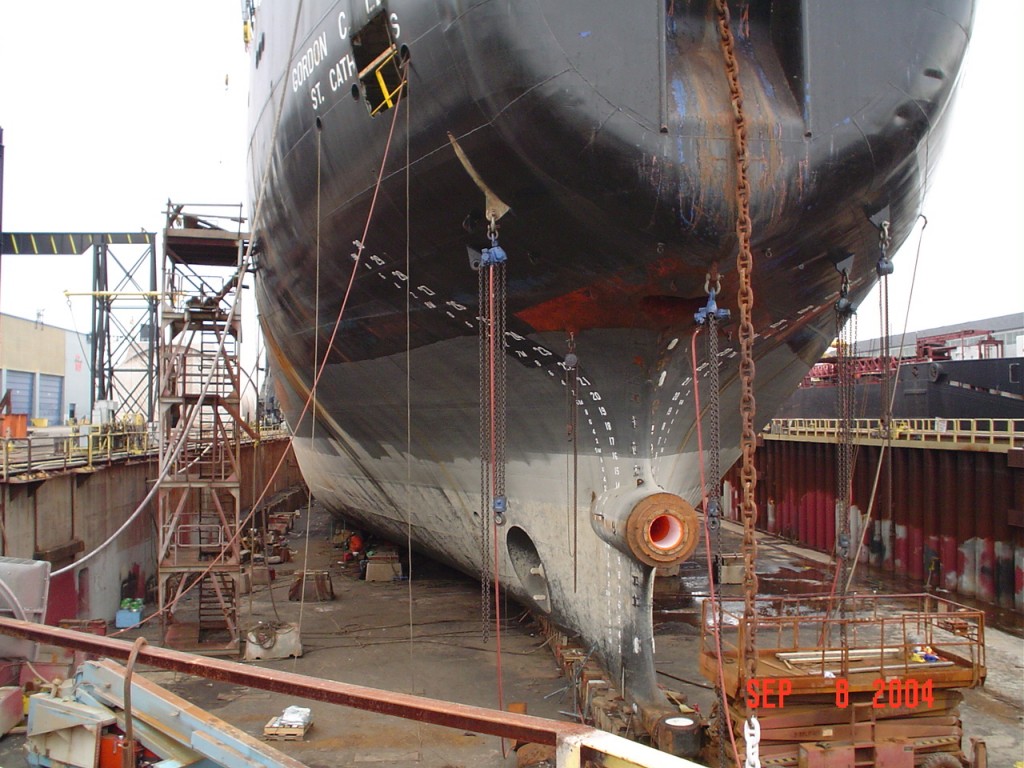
column 1001, row 336
column 46, row 370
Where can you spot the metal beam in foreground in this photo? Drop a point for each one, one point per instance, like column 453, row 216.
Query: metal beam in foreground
column 575, row 743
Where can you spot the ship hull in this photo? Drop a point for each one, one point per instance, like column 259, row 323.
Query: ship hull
column 618, row 176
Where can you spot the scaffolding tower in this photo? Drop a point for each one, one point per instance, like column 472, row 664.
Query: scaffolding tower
column 199, row 557
column 124, row 353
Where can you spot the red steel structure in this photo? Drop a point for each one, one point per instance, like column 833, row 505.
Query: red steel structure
column 929, row 349
column 956, row 518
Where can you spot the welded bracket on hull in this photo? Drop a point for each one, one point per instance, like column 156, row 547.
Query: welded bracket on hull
column 496, row 207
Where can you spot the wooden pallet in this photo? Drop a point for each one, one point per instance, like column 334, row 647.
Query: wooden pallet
column 273, row 731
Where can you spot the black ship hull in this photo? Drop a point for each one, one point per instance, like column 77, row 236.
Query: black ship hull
column 943, row 389
column 606, row 131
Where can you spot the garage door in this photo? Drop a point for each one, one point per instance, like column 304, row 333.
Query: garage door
column 21, row 384
column 51, row 396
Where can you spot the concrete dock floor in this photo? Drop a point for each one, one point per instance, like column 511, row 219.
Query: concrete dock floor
column 364, row 636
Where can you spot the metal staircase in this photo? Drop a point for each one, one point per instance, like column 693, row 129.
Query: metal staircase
column 199, row 562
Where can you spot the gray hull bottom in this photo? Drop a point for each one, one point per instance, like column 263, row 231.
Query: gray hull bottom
column 395, row 450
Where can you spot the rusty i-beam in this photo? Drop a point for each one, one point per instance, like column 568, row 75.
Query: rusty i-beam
column 575, row 744
column 453, row 715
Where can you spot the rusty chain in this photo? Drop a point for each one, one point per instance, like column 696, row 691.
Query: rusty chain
column 745, row 300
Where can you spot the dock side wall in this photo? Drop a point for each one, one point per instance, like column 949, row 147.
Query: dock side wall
column 63, row 517
column 955, row 522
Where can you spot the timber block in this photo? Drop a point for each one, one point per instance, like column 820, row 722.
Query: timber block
column 383, row 571
column 12, row 709
column 273, row 731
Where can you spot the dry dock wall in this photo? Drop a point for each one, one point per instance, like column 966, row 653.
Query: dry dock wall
column 61, row 517
column 956, row 520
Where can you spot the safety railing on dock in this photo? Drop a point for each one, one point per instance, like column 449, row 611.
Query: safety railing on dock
column 73, row 449
column 84, row 447
column 995, row 435
column 820, row 642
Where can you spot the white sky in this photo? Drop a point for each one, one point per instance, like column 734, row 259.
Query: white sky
column 110, row 108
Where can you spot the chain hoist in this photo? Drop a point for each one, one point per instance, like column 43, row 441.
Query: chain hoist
column 491, row 294
column 846, row 341
column 709, row 316
column 883, row 269
column 745, row 300
column 485, row 442
column 496, row 255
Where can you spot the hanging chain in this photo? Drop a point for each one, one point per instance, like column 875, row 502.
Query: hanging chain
column 714, row 471
column 485, row 454
column 714, row 495
column 709, row 316
column 745, row 299
column 500, row 377
column 492, row 295
column 846, row 335
column 884, row 268
column 572, row 388
column 752, row 736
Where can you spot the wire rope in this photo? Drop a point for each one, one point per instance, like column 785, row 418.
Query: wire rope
column 316, row 357
column 899, row 360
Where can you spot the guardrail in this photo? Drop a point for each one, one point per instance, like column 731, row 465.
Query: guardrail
column 815, row 640
column 62, row 452
column 995, row 435
column 82, row 449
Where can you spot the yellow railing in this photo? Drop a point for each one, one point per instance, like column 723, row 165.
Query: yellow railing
column 56, row 453
column 997, row 435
